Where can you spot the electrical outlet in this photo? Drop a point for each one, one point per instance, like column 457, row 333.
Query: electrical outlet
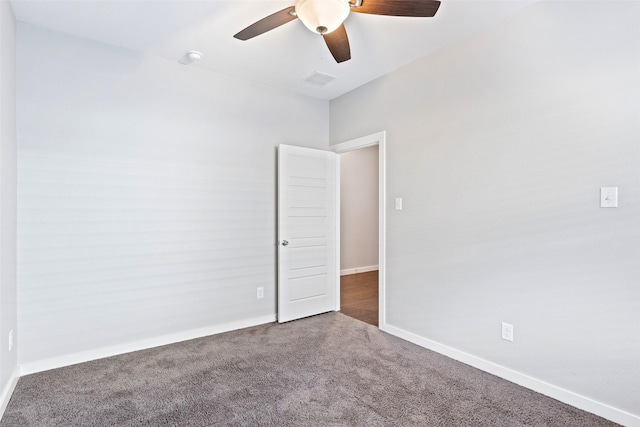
column 260, row 292
column 609, row 197
column 10, row 340
column 507, row 332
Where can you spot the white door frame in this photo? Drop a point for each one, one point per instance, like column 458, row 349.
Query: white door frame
column 379, row 139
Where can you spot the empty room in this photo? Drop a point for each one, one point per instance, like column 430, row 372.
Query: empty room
column 177, row 193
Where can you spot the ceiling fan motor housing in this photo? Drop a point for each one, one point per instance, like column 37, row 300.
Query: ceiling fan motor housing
column 322, row 16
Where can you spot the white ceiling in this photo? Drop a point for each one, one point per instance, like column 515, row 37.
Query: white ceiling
column 282, row 57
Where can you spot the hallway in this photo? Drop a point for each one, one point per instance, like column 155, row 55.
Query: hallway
column 359, row 296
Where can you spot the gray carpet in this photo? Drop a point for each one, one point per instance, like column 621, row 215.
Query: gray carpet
column 327, row 370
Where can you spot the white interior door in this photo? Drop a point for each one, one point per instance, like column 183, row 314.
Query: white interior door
column 308, row 227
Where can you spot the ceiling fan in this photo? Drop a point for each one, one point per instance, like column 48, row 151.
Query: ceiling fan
column 326, row 18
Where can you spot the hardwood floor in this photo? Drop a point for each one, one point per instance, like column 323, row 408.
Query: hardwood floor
column 359, row 296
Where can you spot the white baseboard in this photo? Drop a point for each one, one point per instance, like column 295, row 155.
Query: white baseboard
column 114, row 350
column 566, row 396
column 8, row 391
column 357, row 270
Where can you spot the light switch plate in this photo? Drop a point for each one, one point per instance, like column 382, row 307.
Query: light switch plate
column 507, row 331
column 609, row 197
column 398, row 203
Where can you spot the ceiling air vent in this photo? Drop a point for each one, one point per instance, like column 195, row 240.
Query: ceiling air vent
column 319, row 79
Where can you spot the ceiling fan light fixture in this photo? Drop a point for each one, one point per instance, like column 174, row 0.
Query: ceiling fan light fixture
column 322, row 16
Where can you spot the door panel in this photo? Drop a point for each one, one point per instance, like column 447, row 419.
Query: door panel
column 308, row 287
column 307, row 221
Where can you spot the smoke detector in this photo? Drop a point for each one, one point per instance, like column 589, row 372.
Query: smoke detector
column 190, row 57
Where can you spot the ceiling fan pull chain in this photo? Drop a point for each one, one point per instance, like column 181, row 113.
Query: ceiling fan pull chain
column 321, row 45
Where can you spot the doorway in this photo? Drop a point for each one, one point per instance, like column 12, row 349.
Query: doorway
column 362, row 224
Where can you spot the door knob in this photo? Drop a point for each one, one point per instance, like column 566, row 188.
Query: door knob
column 285, row 242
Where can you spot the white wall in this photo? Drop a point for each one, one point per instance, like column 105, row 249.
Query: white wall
column 499, row 144
column 146, row 197
column 8, row 162
column 359, row 209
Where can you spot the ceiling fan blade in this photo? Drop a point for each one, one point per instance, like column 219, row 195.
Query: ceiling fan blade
column 416, row 8
column 338, row 43
column 266, row 24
